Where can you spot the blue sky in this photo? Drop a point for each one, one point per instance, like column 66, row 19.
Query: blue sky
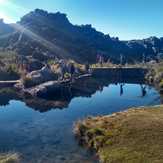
column 127, row 19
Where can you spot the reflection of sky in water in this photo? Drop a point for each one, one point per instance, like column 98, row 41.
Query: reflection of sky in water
column 48, row 137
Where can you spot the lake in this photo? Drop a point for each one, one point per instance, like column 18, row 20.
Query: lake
column 41, row 130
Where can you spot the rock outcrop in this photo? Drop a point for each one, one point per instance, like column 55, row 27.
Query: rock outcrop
column 39, row 33
column 39, row 76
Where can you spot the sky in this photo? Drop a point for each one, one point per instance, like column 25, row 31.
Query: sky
column 126, row 19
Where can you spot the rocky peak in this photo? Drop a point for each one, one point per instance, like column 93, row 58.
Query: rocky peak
column 54, row 33
column 39, row 16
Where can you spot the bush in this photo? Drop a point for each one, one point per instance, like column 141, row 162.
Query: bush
column 12, row 69
column 28, row 82
column 161, row 84
column 9, row 72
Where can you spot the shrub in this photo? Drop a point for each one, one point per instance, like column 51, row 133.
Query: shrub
column 28, row 82
column 161, row 84
column 12, row 69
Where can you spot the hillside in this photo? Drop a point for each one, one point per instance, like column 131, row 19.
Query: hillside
column 44, row 35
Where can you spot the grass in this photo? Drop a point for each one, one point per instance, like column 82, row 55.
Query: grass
column 9, row 158
column 155, row 74
column 9, row 69
column 133, row 136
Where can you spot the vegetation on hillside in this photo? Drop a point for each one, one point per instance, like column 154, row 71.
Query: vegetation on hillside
column 9, row 158
column 9, row 69
column 14, row 66
column 48, row 35
column 133, row 136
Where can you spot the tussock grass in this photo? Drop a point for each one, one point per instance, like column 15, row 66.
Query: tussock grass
column 133, row 136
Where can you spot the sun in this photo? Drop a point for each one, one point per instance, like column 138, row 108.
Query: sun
column 5, row 11
column 2, row 2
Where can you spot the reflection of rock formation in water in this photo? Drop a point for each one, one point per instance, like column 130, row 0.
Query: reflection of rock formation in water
column 43, row 105
column 59, row 99
column 6, row 95
column 121, row 89
column 88, row 87
column 62, row 98
column 143, row 89
column 122, row 75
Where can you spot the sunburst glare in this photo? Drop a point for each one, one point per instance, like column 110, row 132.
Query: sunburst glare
column 2, row 1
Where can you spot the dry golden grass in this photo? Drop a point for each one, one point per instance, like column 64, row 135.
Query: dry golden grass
column 9, row 158
column 133, row 136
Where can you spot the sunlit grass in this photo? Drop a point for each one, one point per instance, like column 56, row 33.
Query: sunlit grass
column 9, row 158
column 134, row 136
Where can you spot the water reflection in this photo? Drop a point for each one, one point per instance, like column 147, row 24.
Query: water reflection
column 47, row 137
column 62, row 98
column 6, row 95
column 142, row 86
column 121, row 89
column 143, row 90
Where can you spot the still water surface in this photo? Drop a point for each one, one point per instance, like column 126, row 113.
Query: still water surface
column 47, row 136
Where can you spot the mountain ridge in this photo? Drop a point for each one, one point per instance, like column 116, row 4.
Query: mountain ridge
column 54, row 34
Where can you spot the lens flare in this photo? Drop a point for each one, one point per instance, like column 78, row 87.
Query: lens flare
column 2, row 2
column 6, row 18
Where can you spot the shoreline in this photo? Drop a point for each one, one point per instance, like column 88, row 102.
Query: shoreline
column 155, row 76
column 132, row 136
